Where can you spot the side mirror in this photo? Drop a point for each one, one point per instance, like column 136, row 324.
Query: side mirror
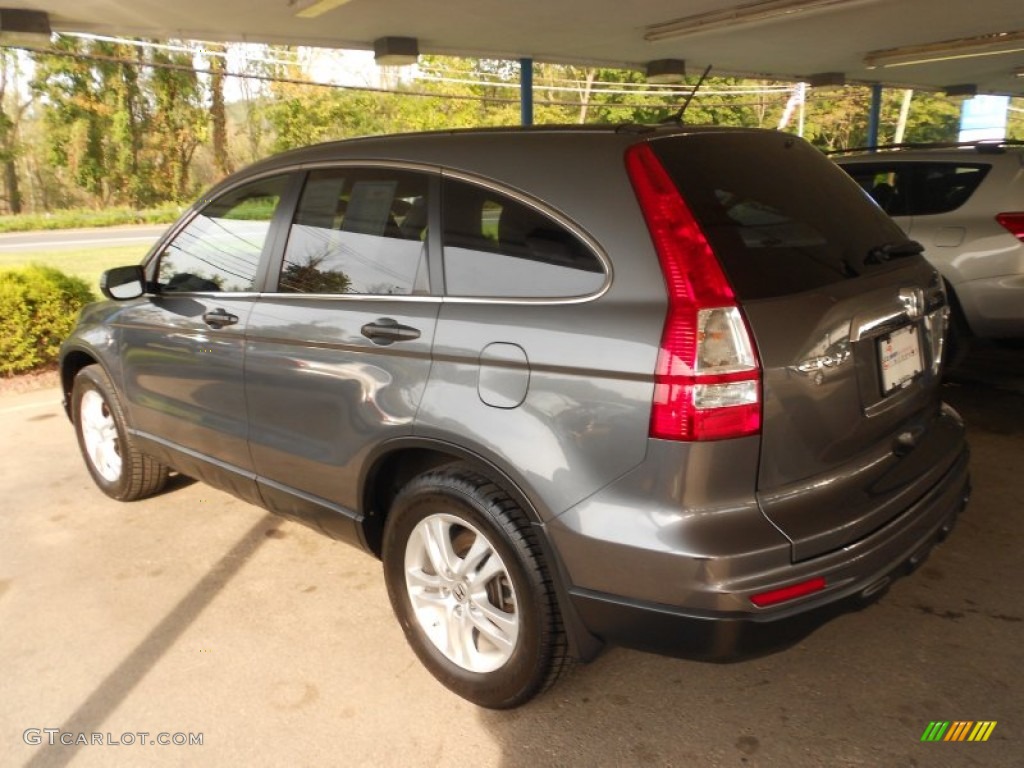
column 123, row 283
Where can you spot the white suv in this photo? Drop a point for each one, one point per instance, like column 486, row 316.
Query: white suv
column 965, row 204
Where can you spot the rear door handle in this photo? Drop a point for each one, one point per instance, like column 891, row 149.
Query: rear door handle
column 218, row 318
column 386, row 330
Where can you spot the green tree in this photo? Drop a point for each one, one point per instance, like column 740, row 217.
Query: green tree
column 218, row 110
column 178, row 124
column 12, row 111
column 122, row 121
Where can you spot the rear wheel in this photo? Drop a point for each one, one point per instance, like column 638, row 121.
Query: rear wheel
column 470, row 589
column 116, row 465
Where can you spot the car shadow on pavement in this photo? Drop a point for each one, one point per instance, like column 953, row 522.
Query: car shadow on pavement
column 987, row 387
column 116, row 687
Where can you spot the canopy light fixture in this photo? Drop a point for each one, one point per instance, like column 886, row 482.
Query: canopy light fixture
column 994, row 44
column 666, row 71
column 310, row 9
column 749, row 13
column 396, row 51
column 1018, row 72
column 825, row 79
column 964, row 90
column 20, row 27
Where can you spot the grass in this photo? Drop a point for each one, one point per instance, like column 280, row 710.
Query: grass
column 70, row 219
column 86, row 263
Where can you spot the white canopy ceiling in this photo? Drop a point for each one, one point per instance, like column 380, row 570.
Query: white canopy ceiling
column 922, row 43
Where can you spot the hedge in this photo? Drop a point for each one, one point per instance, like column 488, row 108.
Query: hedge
column 38, row 309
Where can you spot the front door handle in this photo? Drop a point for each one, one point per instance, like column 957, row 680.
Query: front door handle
column 386, row 330
column 218, row 318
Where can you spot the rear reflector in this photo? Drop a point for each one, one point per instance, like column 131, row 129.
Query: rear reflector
column 707, row 379
column 791, row 592
column 1014, row 222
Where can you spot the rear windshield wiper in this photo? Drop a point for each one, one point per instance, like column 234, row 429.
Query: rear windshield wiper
column 888, row 251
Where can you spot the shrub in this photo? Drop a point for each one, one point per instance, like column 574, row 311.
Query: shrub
column 38, row 309
column 108, row 217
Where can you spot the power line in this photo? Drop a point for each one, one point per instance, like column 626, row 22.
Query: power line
column 362, row 88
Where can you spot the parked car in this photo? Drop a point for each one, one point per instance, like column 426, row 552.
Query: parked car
column 965, row 204
column 673, row 388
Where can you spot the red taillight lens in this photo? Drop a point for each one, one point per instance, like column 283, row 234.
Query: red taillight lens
column 1014, row 222
column 707, row 381
column 792, row 592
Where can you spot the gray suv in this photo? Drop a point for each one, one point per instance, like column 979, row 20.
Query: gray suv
column 672, row 388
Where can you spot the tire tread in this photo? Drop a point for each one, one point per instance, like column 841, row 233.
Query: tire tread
column 142, row 475
column 464, row 480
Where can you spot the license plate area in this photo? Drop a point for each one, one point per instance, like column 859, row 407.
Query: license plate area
column 899, row 359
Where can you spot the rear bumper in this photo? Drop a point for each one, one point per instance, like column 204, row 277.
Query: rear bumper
column 852, row 575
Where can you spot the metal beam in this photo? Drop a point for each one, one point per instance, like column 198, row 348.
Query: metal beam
column 874, row 116
column 526, row 91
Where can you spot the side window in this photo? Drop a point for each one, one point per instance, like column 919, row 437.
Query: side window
column 220, row 249
column 918, row 188
column 496, row 246
column 359, row 231
column 944, row 187
column 888, row 185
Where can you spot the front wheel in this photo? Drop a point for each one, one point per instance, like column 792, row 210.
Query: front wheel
column 119, row 469
column 470, row 588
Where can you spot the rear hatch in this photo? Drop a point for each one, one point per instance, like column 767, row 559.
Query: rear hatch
column 848, row 323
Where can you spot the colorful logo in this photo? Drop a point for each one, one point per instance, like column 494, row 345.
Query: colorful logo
column 958, row 730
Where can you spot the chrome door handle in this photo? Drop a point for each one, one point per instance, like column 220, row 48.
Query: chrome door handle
column 387, row 331
column 218, row 318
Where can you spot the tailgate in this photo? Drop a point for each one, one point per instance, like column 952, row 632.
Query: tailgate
column 852, row 429
column 848, row 320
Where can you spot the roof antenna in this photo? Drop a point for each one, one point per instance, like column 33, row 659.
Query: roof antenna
column 677, row 118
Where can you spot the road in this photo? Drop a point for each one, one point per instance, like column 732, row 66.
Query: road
column 98, row 237
column 194, row 613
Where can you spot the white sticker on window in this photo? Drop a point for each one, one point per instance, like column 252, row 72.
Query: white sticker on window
column 369, row 207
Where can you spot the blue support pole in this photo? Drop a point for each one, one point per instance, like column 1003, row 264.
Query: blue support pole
column 874, row 116
column 526, row 91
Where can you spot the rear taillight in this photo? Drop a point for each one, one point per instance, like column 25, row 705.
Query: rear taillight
column 708, row 379
column 1014, row 222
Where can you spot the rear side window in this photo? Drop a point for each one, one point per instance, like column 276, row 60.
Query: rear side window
column 780, row 216
column 496, row 246
column 919, row 188
column 220, row 249
column 359, row 231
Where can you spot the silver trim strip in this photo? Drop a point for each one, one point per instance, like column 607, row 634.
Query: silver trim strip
column 551, row 213
column 281, row 170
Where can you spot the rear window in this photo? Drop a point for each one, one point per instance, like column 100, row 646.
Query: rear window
column 918, row 188
column 781, row 217
column 498, row 247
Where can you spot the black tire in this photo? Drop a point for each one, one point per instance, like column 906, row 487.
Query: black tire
column 119, row 469
column 958, row 334
column 464, row 504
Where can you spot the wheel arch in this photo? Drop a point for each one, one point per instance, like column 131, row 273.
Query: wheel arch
column 71, row 363
column 397, row 462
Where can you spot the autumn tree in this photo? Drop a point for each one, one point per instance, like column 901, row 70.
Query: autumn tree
column 12, row 111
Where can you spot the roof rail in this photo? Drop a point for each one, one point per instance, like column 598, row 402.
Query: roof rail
column 981, row 145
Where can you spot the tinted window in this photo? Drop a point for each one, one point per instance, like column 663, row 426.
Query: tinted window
column 359, row 231
column 220, row 249
column 918, row 189
column 497, row 246
column 781, row 217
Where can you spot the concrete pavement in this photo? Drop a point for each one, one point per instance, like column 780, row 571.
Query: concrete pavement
column 193, row 613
